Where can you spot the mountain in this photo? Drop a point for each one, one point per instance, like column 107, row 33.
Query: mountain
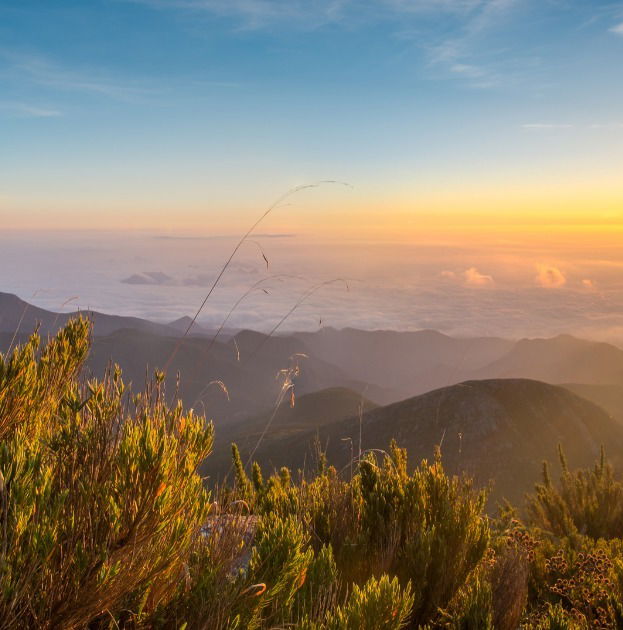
column 561, row 359
column 408, row 362
column 310, row 411
column 181, row 325
column 493, row 429
column 18, row 315
column 608, row 397
column 412, row 363
column 248, row 365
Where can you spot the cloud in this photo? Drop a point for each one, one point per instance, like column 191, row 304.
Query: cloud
column 25, row 110
column 150, row 277
column 547, row 126
column 550, row 277
column 464, row 55
column 473, row 278
column 161, row 279
column 309, row 14
column 537, row 126
column 467, row 70
column 588, row 284
column 256, row 14
column 40, row 70
column 469, row 278
column 448, row 275
column 611, row 126
column 618, row 29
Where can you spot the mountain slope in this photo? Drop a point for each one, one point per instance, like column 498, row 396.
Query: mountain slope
column 561, row 359
column 494, row 429
column 313, row 410
column 248, row 365
column 608, row 397
column 18, row 315
column 410, row 362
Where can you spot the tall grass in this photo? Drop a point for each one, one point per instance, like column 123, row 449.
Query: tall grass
column 244, row 238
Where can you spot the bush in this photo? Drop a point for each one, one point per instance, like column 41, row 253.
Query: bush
column 100, row 502
column 428, row 528
column 378, row 604
column 586, row 502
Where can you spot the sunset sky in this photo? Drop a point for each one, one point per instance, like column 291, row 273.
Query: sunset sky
column 489, row 131
column 195, row 113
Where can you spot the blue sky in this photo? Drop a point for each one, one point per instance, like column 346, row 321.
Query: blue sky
column 122, row 111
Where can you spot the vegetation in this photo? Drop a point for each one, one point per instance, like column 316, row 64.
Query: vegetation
column 105, row 523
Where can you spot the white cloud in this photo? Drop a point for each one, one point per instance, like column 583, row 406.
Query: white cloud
column 40, row 70
column 550, row 277
column 467, row 70
column 547, row 126
column 618, row 29
column 315, row 13
column 459, row 56
column 260, row 13
column 473, row 278
column 25, row 110
column 612, row 126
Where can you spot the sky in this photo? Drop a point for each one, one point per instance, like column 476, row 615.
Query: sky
column 481, row 141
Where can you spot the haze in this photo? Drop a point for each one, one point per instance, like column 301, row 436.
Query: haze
column 481, row 141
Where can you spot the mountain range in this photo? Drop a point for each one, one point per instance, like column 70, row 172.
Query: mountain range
column 494, row 404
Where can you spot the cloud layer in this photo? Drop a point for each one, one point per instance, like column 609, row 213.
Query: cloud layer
column 458, row 290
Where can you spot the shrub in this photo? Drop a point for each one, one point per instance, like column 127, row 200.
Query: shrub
column 277, row 570
column 99, row 502
column 428, row 528
column 378, row 604
column 586, row 502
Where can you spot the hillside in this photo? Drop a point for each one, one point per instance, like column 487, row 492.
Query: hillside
column 494, row 429
column 608, row 397
column 416, row 362
column 310, row 412
column 409, row 362
column 247, row 364
column 16, row 314
column 561, row 359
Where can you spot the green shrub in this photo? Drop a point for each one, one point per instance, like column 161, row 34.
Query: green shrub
column 277, row 570
column 99, row 503
column 427, row 528
column 586, row 502
column 378, row 604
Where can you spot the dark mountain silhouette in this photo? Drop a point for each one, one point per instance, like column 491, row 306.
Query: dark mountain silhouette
column 18, row 315
column 499, row 430
column 248, row 365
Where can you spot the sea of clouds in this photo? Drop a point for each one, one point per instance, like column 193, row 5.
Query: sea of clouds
column 501, row 288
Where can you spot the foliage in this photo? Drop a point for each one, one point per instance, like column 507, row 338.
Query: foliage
column 587, row 502
column 100, row 500
column 105, row 523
